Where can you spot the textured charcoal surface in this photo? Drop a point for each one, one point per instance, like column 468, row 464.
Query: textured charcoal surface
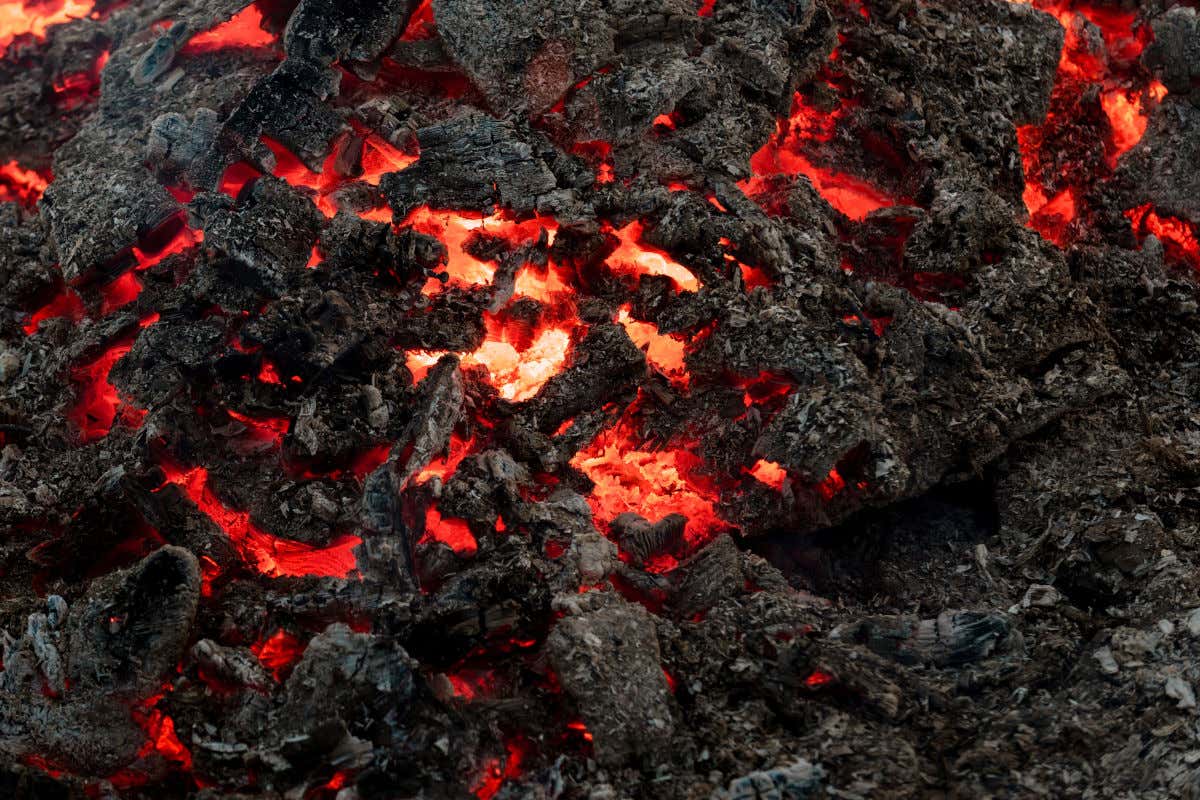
column 509, row 399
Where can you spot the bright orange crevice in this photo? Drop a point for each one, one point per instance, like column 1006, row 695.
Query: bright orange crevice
column 33, row 17
column 635, row 257
column 244, row 29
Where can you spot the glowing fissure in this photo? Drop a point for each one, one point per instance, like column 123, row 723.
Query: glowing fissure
column 634, row 257
column 244, row 29
column 787, row 153
column 20, row 185
column 267, row 554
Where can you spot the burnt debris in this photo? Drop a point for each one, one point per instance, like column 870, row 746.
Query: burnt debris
column 685, row 398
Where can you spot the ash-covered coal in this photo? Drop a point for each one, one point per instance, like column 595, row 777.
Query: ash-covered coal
column 693, row 398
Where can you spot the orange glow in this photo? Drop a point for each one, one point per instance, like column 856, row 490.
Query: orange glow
column 19, row 185
column 633, row 257
column 454, row 229
column 264, row 552
column 1126, row 112
column 278, row 652
column 33, row 17
column 451, row 532
column 162, row 739
column 833, row 484
column 663, row 351
column 516, row 374
column 244, row 29
column 1052, row 218
column 770, row 473
column 784, row 154
column 379, row 158
column 628, row 476
column 1178, row 237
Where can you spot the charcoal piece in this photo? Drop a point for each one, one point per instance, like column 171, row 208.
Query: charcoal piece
column 601, row 361
column 355, row 677
column 113, row 649
column 708, row 577
column 471, row 161
column 1158, row 170
column 764, row 62
column 451, row 322
column 588, row 561
column 530, row 53
column 351, row 243
column 98, row 213
column 952, row 638
column 564, row 515
column 325, row 31
column 1174, row 53
column 234, row 666
column 641, row 539
column 269, row 235
column 795, row 781
column 483, row 486
column 438, row 409
column 288, row 105
column 175, row 142
column 817, row 429
column 607, row 659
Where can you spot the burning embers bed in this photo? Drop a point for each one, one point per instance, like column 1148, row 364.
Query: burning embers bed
column 401, row 383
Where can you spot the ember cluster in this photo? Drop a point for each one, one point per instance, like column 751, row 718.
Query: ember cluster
column 682, row 398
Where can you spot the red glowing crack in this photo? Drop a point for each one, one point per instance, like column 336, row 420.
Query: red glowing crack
column 268, row 554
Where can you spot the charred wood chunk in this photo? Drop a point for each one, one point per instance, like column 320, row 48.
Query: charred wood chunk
column 471, row 161
column 606, row 656
column 796, row 781
column 1174, row 54
column 438, row 408
column 953, row 638
column 71, row 678
column 326, row 31
column 641, row 539
column 351, row 243
column 97, row 214
column 708, row 577
column 603, row 362
column 1160, row 169
column 269, row 235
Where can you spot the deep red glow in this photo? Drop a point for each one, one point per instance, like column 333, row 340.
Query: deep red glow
column 119, row 292
column 32, row 17
column 421, row 24
column 278, row 652
column 266, row 553
column 817, row 679
column 706, row 8
column 500, row 770
column 451, row 532
column 66, row 303
column 98, row 405
column 244, row 29
column 833, row 485
column 260, row 432
column 20, row 185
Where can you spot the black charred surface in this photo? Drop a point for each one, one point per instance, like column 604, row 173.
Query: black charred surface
column 976, row 578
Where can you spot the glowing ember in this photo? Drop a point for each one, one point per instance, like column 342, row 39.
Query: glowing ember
column 1126, row 112
column 454, row 229
column 451, row 532
column 19, row 185
column 162, row 739
column 653, row 483
column 268, row 554
column 120, row 292
column 663, row 351
column 33, row 17
column 785, row 153
column 278, row 652
column 244, row 29
column 633, row 257
column 443, row 466
column 500, row 770
column 66, row 303
column 770, row 473
column 516, row 374
column 421, row 24
column 98, row 405
column 1179, row 238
